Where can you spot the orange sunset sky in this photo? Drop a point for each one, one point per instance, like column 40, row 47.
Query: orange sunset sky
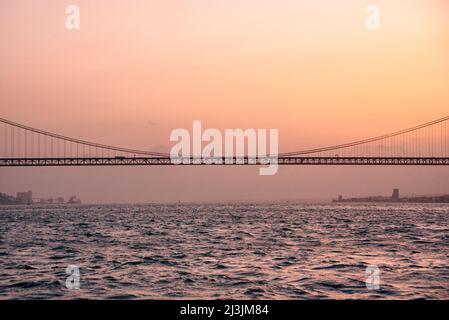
column 136, row 70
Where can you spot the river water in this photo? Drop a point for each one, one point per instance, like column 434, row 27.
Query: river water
column 224, row 251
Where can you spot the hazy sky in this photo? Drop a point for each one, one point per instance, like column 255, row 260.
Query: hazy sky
column 136, row 70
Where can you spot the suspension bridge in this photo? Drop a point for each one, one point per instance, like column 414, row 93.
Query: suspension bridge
column 423, row 145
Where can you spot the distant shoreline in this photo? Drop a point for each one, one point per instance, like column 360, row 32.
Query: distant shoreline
column 218, row 203
column 434, row 200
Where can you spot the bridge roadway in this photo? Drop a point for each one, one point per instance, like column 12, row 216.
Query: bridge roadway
column 158, row 161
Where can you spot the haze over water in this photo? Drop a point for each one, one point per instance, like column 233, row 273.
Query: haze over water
column 249, row 251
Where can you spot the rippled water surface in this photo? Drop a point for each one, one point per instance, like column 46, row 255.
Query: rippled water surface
column 249, row 251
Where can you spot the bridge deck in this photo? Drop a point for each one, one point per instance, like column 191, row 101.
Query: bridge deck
column 152, row 161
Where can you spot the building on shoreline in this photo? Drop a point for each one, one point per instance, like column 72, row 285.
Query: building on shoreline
column 395, row 197
column 26, row 198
